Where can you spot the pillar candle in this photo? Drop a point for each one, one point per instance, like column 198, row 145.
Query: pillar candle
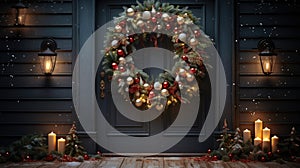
column 257, row 141
column 51, row 142
column 258, row 128
column 266, row 133
column 274, row 142
column 61, row 143
column 246, row 135
column 266, row 144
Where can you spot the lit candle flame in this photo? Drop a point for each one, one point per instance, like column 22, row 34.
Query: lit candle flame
column 267, row 67
column 48, row 66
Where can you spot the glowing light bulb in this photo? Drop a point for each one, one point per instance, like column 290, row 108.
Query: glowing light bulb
column 48, row 66
column 267, row 65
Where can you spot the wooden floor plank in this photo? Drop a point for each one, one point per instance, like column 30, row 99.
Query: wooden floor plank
column 172, row 162
column 70, row 164
column 256, row 165
column 132, row 162
column 23, row 164
column 111, row 162
column 238, row 164
column 218, row 164
column 276, row 165
column 191, row 163
column 89, row 164
column 50, row 165
column 155, row 162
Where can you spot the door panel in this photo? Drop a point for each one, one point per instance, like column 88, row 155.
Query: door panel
column 203, row 9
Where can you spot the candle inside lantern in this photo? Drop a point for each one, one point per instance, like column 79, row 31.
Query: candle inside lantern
column 61, row 143
column 266, row 144
column 258, row 128
column 267, row 65
column 274, row 142
column 246, row 135
column 266, row 133
column 51, row 142
column 257, row 141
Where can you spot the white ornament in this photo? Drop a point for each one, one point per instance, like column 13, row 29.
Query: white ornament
column 157, row 86
column 153, row 11
column 193, row 42
column 182, row 72
column 130, row 12
column 118, row 28
column 182, row 37
column 129, row 80
column 115, row 43
column 146, row 15
column 122, row 60
column 164, row 92
column 189, row 77
column 159, row 27
column 180, row 20
column 165, row 17
column 177, row 78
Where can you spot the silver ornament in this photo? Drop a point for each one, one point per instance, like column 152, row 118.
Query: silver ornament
column 115, row 43
column 180, row 20
column 165, row 17
column 189, row 77
column 129, row 80
column 122, row 60
column 182, row 37
column 138, row 102
column 165, row 92
column 193, row 41
column 140, row 23
column 146, row 15
column 118, row 28
column 159, row 107
column 157, row 86
column 130, row 12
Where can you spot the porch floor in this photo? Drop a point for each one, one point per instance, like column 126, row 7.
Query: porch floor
column 150, row 162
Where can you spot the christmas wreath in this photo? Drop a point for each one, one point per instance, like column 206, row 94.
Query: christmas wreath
column 158, row 22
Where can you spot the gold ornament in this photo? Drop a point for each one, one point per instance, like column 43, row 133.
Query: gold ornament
column 122, row 60
column 193, row 41
column 146, row 86
column 138, row 102
column 165, row 17
column 182, row 72
column 140, row 23
column 137, row 94
column 164, row 92
column 189, row 77
column 130, row 12
column 118, row 28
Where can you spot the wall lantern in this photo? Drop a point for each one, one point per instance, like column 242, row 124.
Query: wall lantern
column 48, row 56
column 20, row 14
column 267, row 56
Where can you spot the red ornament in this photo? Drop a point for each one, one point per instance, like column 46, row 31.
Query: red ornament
column 215, row 158
column 99, row 153
column 136, row 80
column 197, row 33
column 269, row 154
column 165, row 84
column 49, row 158
column 122, row 69
column 193, row 70
column 184, row 58
column 168, row 26
column 86, row 157
column 209, row 151
column 120, row 53
column 263, row 159
column 153, row 19
column 131, row 39
column 230, row 155
column 114, row 66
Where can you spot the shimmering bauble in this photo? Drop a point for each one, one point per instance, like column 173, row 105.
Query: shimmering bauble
column 208, row 151
column 182, row 37
column 165, row 17
column 168, row 26
column 122, row 60
column 263, row 159
column 136, row 80
column 177, row 78
column 158, row 15
column 118, row 28
column 140, row 23
column 131, row 39
column 153, row 19
column 159, row 107
column 146, row 15
column 189, row 77
column 164, row 92
column 157, row 86
column 129, row 80
column 114, row 66
column 146, row 86
column 120, row 53
column 122, row 69
column 184, row 58
column 138, row 102
column 159, row 27
column 165, row 84
column 130, row 12
column 151, row 94
column 180, row 20
column 193, row 41
column 197, row 33
column 182, row 72
column 153, row 11
column 137, row 94
column 215, row 158
column 193, row 70
column 115, row 43
column 86, row 157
